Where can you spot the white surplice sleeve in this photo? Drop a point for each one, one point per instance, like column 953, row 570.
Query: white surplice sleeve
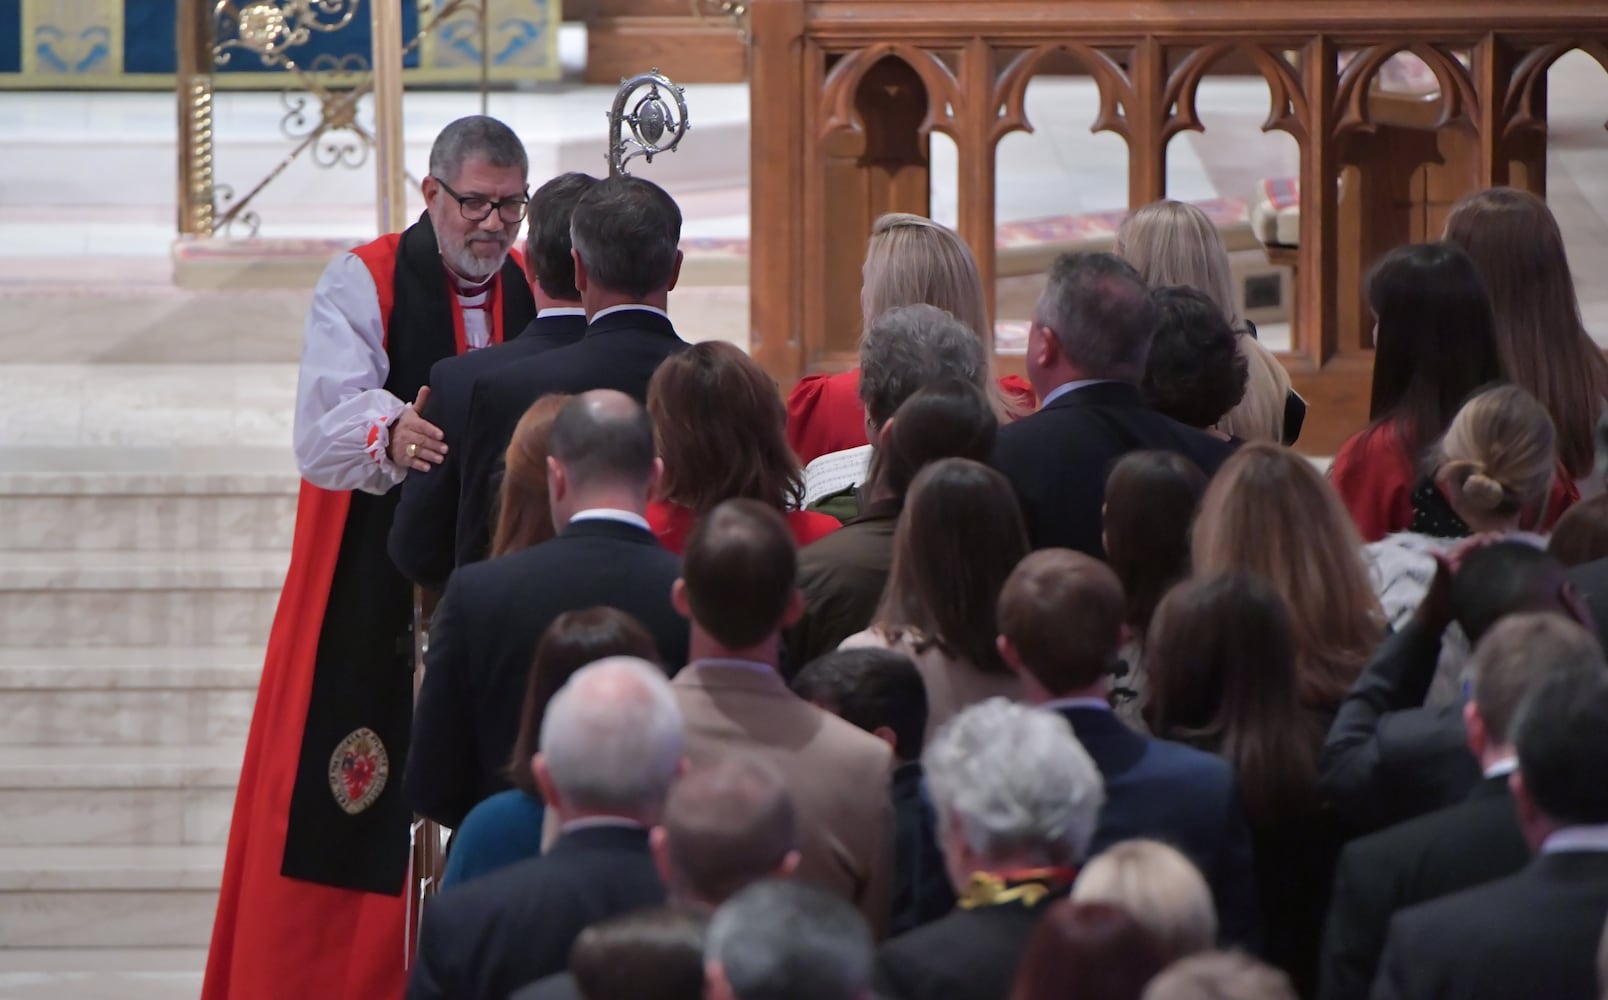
column 343, row 416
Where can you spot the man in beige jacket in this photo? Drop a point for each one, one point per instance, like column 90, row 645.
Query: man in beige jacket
column 738, row 589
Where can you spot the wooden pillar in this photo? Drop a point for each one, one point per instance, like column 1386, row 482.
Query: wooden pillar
column 778, row 146
column 1147, row 149
column 976, row 149
column 1316, row 328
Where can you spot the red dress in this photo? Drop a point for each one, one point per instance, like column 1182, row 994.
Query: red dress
column 672, row 523
column 824, row 413
column 1375, row 476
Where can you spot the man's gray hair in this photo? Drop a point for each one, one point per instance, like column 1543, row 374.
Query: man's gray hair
column 779, row 940
column 1017, row 783
column 480, row 137
column 910, row 347
column 1101, row 314
column 612, row 738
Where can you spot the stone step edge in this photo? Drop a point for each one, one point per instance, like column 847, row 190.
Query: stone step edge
column 85, row 868
column 90, row 768
column 80, row 960
column 143, row 570
column 136, row 676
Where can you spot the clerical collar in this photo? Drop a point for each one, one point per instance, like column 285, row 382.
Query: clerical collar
column 1028, row 886
column 468, row 288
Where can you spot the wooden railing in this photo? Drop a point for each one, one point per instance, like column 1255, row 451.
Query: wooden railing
column 846, row 92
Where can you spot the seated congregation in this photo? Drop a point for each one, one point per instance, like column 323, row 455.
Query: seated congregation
column 1079, row 686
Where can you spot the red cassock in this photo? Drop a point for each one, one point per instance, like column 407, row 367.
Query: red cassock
column 313, row 901
column 824, row 413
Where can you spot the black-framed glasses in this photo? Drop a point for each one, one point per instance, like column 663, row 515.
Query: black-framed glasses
column 476, row 208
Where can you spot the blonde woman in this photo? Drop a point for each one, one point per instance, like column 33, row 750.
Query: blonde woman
column 1270, row 513
column 1158, row 887
column 1496, row 462
column 1171, row 243
column 910, row 260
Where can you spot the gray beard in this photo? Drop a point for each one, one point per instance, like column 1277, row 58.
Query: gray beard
column 467, row 265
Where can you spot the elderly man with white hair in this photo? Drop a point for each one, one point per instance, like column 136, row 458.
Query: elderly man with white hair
column 1017, row 799
column 612, row 742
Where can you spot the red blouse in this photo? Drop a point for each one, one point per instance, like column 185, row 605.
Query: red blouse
column 672, row 523
column 824, row 413
column 1375, row 477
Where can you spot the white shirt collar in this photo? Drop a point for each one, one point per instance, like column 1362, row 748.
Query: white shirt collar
column 1577, row 838
column 595, row 822
column 1072, row 386
column 1502, row 768
column 560, row 311
column 1056, row 704
column 611, row 514
column 629, row 305
column 733, row 664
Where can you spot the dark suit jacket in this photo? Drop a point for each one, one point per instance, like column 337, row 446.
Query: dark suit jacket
column 968, row 955
column 1388, row 758
column 1186, row 797
column 841, row 577
column 921, row 889
column 484, row 636
column 422, row 541
column 619, row 351
column 1533, row 934
column 1591, row 581
column 1058, row 458
column 1469, row 844
column 484, row 939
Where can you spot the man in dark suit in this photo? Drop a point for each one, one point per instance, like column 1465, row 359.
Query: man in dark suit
column 611, row 744
column 726, row 825
column 1060, row 619
column 485, row 632
column 625, row 232
column 1469, row 844
column 1388, row 757
column 1591, row 583
column 422, row 542
column 1017, row 800
column 1535, row 933
column 1086, row 351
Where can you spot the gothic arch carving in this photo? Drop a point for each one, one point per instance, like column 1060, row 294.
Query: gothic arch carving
column 1460, row 102
column 841, row 90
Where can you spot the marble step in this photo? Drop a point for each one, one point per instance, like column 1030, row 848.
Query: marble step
column 94, row 897
column 165, row 796
column 172, row 598
column 127, row 697
column 101, row 973
column 121, row 511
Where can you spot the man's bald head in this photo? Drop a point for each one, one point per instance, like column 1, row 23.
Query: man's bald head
column 603, row 438
column 726, row 825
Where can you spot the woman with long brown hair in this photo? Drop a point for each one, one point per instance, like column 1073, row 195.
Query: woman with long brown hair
column 1514, row 241
column 721, row 431
column 524, row 516
column 1224, row 676
column 507, row 827
column 958, row 539
column 1269, row 512
column 909, row 260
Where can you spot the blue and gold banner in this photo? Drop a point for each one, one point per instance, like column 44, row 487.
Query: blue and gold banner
column 132, row 44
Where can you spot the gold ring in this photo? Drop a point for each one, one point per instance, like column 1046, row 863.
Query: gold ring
column 413, row 449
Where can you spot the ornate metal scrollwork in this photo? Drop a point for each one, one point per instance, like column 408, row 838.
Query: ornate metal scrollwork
column 641, row 131
column 734, row 12
column 268, row 28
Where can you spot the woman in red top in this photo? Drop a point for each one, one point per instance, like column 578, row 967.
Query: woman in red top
column 1434, row 346
column 720, row 428
column 910, row 260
